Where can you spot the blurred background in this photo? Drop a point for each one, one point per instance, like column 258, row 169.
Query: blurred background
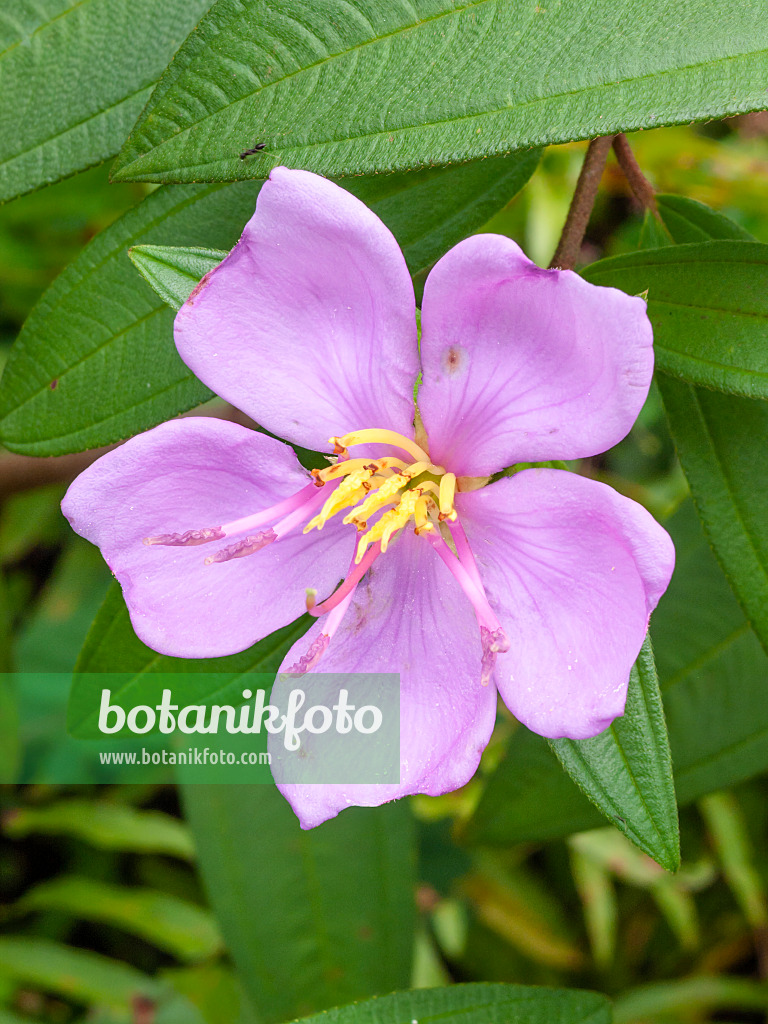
column 111, row 870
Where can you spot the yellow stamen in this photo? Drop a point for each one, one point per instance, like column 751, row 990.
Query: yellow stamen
column 383, row 495
column 382, row 437
column 447, row 492
column 339, row 469
column 392, row 521
column 350, row 490
column 421, row 515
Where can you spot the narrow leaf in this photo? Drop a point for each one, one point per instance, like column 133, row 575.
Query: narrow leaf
column 65, row 386
column 708, row 303
column 500, row 77
column 166, row 921
column 74, row 973
column 626, row 771
column 103, row 825
column 90, row 68
column 346, row 888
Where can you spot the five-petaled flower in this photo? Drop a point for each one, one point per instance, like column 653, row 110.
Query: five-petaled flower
column 539, row 584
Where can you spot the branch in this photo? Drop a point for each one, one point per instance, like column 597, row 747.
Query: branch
column 580, row 210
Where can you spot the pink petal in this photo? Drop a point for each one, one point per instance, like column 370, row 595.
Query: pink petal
column 573, row 571
column 309, row 324
column 409, row 616
column 190, row 474
column 523, row 364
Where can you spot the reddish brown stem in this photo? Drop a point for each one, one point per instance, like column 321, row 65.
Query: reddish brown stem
column 569, row 246
column 642, row 189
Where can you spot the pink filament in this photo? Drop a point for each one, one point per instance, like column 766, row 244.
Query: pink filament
column 320, row 644
column 347, row 588
column 282, row 508
column 492, row 636
column 464, row 551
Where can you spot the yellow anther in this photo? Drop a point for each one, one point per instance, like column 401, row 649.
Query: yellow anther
column 392, row 521
column 350, row 490
column 421, row 515
column 382, row 437
column 383, row 495
column 447, row 492
column 339, row 469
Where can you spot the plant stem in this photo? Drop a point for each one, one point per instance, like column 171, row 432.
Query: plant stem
column 580, row 210
column 642, row 189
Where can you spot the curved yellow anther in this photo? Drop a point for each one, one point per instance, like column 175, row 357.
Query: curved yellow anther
column 392, row 521
column 350, row 490
column 421, row 515
column 447, row 492
column 339, row 469
column 382, row 437
column 383, row 495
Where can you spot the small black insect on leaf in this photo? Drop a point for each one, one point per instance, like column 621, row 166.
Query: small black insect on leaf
column 256, row 149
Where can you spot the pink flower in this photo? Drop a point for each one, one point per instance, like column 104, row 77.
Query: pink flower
column 540, row 583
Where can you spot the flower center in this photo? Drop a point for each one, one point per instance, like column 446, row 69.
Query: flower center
column 408, row 489
column 379, row 497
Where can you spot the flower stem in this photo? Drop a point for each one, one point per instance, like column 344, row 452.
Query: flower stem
column 642, row 189
column 569, row 246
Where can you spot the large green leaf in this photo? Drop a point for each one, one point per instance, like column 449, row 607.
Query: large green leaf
column 112, row 647
column 708, row 303
column 75, row 78
column 168, row 922
column 476, row 1004
column 626, row 771
column 722, row 442
column 354, row 86
column 95, row 362
column 311, row 918
column 712, row 671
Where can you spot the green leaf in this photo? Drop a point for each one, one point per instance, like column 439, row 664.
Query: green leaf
column 90, row 68
column 112, row 646
column 688, row 220
column 708, row 303
column 712, row 672
column 103, row 825
column 172, row 271
column 674, row 1000
column 626, row 771
column 66, row 385
column 168, row 922
column 721, row 442
column 345, row 888
column 73, row 973
column 476, row 1004
column 498, row 77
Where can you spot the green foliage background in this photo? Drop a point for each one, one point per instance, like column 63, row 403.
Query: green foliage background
column 152, row 903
